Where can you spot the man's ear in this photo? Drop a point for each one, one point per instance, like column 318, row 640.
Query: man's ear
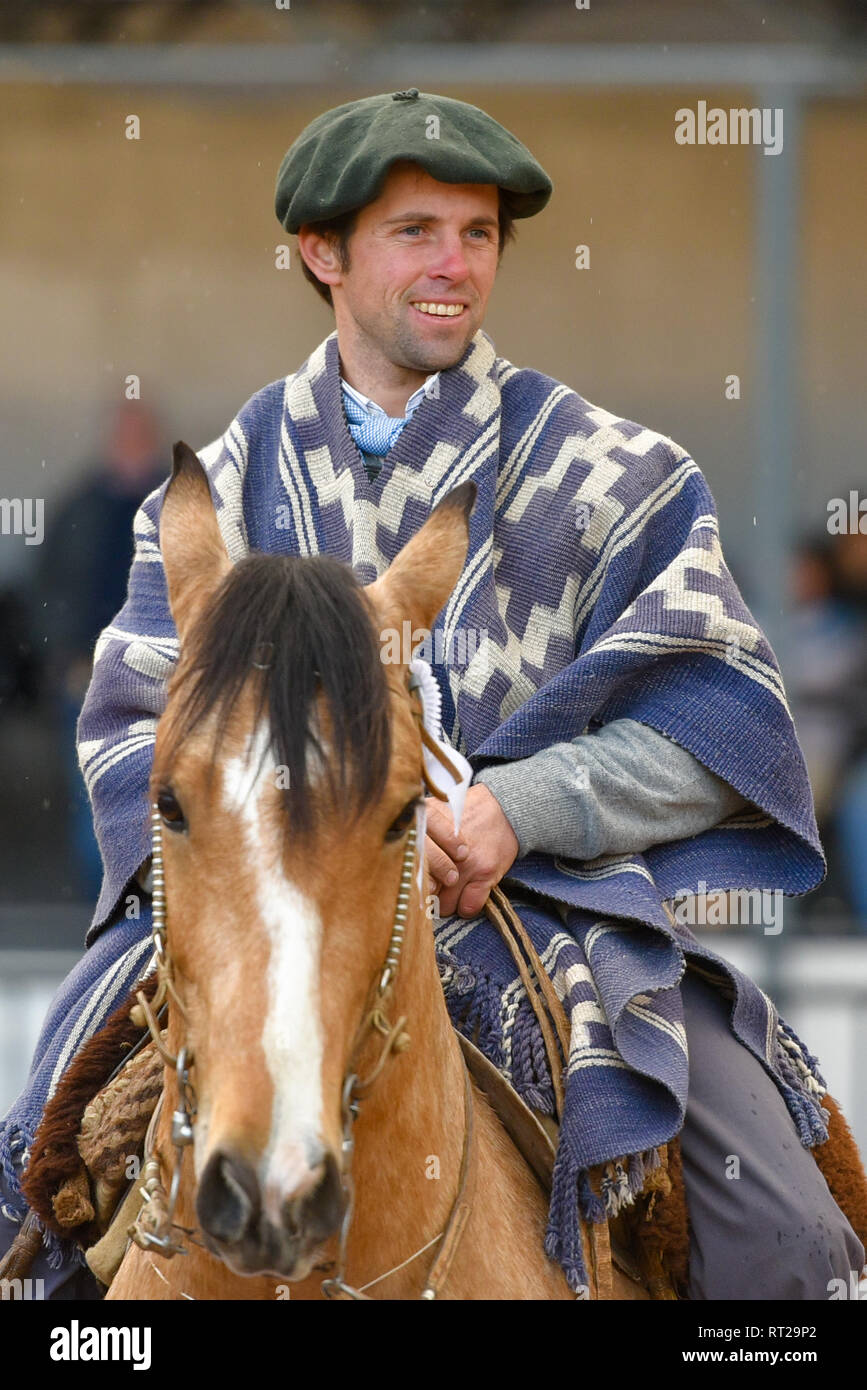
column 319, row 254
column 421, row 578
column 194, row 555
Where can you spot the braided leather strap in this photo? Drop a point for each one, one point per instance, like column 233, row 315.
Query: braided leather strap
column 556, row 1032
column 541, row 994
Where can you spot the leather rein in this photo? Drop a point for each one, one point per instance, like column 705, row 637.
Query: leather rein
column 155, row 1225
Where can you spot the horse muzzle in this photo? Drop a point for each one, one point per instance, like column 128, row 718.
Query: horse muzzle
column 235, row 1226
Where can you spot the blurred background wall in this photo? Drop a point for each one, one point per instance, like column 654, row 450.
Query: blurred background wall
column 156, row 258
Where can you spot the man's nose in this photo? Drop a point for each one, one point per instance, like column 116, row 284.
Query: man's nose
column 449, row 260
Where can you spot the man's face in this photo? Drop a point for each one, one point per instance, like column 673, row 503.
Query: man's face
column 421, row 242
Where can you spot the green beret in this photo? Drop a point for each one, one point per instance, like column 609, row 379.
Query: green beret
column 339, row 161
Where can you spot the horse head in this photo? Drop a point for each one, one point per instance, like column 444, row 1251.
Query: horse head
column 288, row 775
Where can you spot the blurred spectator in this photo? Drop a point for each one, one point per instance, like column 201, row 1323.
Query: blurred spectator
column 849, row 569
column 827, row 686
column 80, row 586
column 828, row 652
column 849, row 573
column 19, row 670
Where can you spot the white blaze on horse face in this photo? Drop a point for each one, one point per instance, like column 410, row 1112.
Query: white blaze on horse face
column 292, row 1032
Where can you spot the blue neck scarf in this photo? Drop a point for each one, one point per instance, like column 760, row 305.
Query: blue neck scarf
column 373, row 433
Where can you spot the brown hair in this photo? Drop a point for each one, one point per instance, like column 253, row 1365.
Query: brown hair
column 338, row 230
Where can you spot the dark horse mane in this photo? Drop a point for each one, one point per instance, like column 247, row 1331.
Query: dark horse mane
column 305, row 621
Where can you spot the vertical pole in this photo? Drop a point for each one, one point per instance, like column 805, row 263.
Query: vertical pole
column 777, row 394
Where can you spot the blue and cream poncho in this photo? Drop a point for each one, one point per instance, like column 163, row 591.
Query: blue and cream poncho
column 594, row 589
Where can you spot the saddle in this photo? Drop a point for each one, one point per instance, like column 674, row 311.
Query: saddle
column 82, row 1179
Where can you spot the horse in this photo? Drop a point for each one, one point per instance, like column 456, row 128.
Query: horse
column 339, row 1145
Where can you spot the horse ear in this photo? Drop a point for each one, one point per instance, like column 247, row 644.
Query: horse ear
column 422, row 576
column 194, row 555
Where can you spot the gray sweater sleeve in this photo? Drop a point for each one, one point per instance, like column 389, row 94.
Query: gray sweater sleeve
column 617, row 791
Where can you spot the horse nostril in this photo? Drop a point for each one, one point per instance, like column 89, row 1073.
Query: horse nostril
column 227, row 1202
column 318, row 1213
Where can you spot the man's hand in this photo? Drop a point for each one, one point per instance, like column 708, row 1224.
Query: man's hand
column 465, row 865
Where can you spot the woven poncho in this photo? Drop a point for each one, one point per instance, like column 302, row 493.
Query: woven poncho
column 594, row 588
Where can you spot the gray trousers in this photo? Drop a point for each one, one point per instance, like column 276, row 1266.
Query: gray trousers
column 773, row 1231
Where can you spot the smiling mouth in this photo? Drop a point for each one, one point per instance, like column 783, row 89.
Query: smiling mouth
column 432, row 310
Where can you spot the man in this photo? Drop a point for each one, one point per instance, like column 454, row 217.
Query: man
column 620, row 707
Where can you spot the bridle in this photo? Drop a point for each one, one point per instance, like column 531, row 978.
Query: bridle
column 155, row 1223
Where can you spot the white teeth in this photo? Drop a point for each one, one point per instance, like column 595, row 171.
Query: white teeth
column 450, row 311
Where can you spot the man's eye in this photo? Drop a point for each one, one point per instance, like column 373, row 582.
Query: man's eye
column 414, row 228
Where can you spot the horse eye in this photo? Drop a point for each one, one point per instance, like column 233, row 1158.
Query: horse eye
column 170, row 810
column 401, row 824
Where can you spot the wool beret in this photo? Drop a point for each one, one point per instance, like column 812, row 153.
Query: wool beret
column 339, row 161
